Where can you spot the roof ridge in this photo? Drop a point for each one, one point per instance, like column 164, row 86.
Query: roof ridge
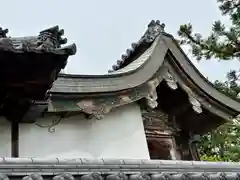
column 154, row 29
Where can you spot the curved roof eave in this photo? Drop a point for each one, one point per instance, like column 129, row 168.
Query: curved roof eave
column 196, row 77
column 133, row 75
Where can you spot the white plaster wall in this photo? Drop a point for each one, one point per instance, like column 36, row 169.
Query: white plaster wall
column 118, row 135
column 5, row 138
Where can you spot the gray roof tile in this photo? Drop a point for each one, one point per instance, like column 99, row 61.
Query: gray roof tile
column 35, row 43
column 61, row 168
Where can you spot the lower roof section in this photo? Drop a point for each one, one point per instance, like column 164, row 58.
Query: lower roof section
column 139, row 72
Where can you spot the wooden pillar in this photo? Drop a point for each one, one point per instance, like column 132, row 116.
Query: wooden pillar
column 187, row 147
column 15, row 138
column 194, row 139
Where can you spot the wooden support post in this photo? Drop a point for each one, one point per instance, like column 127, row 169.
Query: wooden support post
column 15, row 138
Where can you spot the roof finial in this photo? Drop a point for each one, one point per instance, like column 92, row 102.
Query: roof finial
column 3, row 32
column 154, row 29
column 53, row 36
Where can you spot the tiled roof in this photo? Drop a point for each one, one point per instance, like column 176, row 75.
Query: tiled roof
column 36, row 44
column 110, row 82
column 158, row 57
column 131, row 176
column 115, row 169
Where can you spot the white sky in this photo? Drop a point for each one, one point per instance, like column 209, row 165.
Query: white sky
column 104, row 29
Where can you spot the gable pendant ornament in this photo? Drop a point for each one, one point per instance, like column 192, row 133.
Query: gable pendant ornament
column 196, row 105
column 152, row 99
column 152, row 96
column 153, row 84
column 172, row 83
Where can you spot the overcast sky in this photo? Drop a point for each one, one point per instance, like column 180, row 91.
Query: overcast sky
column 104, row 29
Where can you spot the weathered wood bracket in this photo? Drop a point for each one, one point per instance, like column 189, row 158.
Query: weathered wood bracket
column 173, row 84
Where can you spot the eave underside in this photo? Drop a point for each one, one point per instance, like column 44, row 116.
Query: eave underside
column 29, row 66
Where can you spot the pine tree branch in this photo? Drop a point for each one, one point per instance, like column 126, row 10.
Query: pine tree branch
column 228, row 6
column 210, row 47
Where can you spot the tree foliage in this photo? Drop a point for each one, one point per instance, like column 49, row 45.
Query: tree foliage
column 223, row 144
column 223, row 43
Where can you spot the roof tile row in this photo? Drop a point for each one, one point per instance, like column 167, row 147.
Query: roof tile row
column 130, row 176
column 153, row 30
